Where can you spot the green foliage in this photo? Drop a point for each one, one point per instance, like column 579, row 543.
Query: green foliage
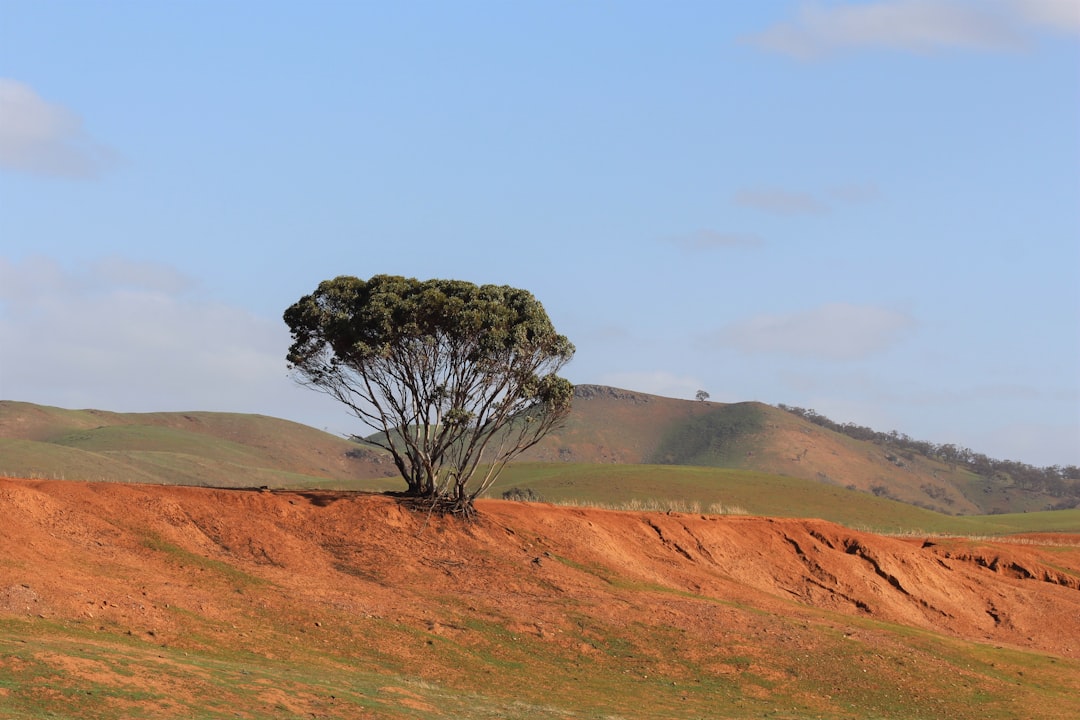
column 453, row 375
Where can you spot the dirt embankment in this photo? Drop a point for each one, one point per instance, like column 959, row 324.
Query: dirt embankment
column 132, row 555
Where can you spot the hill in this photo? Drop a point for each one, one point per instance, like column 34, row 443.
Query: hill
column 607, row 426
column 610, row 425
column 134, row 601
column 190, row 448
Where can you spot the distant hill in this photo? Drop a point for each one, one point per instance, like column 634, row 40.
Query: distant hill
column 607, row 426
column 611, row 425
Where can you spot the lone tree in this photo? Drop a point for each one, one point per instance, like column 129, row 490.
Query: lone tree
column 702, row 396
column 454, row 376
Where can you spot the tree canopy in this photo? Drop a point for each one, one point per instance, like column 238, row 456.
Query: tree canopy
column 455, row 377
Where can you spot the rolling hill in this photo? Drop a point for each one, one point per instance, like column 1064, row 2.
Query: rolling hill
column 607, row 426
column 610, row 425
column 190, row 448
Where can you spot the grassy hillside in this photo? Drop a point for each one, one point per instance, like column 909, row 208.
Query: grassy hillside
column 607, row 428
column 194, row 448
column 722, row 490
column 609, row 425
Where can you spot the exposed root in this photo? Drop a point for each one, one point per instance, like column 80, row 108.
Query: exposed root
column 441, row 505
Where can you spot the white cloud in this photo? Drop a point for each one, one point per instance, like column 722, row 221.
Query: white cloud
column 712, row 239
column 833, row 332
column 123, row 336
column 656, row 382
column 917, row 25
column 44, row 138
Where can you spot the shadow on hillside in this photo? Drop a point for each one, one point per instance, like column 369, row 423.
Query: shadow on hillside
column 318, row 498
column 324, row 498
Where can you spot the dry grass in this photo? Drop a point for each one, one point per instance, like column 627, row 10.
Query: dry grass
column 654, row 505
column 1042, row 541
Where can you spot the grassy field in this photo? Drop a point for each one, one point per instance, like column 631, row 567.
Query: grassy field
column 196, row 448
column 760, row 494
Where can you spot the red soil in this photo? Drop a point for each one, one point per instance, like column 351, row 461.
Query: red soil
column 567, row 592
column 127, row 553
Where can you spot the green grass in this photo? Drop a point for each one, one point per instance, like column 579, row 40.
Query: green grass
column 159, row 439
column 45, row 461
column 236, row 577
column 761, row 494
column 198, row 448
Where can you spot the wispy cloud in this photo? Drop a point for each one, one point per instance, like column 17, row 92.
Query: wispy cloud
column 713, row 239
column 918, row 26
column 836, row 331
column 780, row 202
column 43, row 138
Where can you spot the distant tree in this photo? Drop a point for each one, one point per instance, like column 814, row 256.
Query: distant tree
column 702, row 395
column 453, row 376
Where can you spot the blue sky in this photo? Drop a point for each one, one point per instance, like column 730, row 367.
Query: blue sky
column 871, row 209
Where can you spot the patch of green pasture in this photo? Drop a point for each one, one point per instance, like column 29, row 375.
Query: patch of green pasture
column 183, row 469
column 49, row 461
column 1066, row 521
column 46, row 461
column 756, row 493
column 760, row 494
column 159, row 439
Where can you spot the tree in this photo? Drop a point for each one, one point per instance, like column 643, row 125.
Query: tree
column 453, row 376
column 701, row 395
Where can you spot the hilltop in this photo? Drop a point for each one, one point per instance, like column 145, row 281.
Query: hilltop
column 140, row 601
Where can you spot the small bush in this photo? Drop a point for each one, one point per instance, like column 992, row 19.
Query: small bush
column 522, row 495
